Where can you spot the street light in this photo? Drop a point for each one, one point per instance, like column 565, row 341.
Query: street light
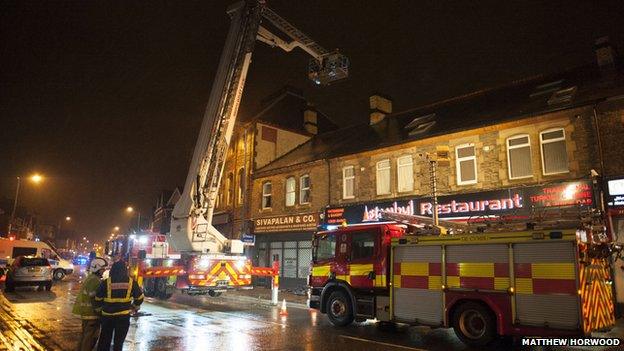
column 67, row 219
column 116, row 228
column 36, row 179
column 130, row 209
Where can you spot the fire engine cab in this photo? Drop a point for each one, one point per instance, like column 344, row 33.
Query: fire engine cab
column 550, row 277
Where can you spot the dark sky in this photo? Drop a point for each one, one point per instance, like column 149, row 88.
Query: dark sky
column 106, row 99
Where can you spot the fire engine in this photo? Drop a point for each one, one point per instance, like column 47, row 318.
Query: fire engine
column 547, row 276
column 204, row 260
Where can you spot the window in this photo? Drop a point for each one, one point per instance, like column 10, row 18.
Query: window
column 23, row 251
column 466, row 164
column 405, row 174
column 266, row 195
column 363, row 244
column 230, row 191
column 383, row 177
column 304, row 189
column 348, row 180
column 290, row 191
column 519, row 157
column 241, row 186
column 325, row 247
column 554, row 153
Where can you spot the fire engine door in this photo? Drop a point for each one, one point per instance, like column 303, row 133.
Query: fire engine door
column 361, row 257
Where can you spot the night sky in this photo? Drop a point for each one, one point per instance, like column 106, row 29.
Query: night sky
column 106, row 100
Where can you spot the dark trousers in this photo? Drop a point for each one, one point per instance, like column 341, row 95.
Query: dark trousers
column 117, row 325
column 90, row 332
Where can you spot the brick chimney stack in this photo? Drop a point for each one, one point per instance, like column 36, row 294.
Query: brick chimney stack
column 380, row 106
column 310, row 123
column 605, row 54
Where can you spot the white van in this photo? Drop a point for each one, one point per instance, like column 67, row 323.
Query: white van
column 12, row 248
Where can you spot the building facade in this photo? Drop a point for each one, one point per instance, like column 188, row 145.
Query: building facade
column 534, row 143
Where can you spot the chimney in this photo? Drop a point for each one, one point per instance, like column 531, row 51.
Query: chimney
column 605, row 54
column 310, row 123
column 380, row 106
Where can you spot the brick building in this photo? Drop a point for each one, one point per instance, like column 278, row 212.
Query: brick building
column 533, row 142
column 285, row 121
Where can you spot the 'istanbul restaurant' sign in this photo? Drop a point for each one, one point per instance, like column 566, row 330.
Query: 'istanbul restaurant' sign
column 288, row 223
column 510, row 202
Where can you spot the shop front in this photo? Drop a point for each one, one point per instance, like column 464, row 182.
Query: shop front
column 512, row 203
column 289, row 239
column 614, row 199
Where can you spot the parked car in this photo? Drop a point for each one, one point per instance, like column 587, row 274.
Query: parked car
column 29, row 271
column 12, row 248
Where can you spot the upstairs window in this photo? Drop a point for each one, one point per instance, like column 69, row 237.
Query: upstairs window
column 241, row 186
column 405, row 174
column 230, row 191
column 519, row 157
column 466, row 164
column 348, row 182
column 290, row 191
column 304, row 189
column 554, row 153
column 266, row 195
column 383, row 177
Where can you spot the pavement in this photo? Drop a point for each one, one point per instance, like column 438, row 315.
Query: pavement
column 243, row 320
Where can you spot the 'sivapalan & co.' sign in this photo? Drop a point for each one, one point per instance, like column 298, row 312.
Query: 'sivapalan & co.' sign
column 286, row 223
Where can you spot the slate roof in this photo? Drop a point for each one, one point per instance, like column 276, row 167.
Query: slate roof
column 519, row 99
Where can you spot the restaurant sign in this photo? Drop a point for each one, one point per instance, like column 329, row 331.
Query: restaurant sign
column 515, row 202
column 287, row 223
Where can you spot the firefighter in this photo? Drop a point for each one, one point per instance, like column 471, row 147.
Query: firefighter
column 84, row 305
column 117, row 297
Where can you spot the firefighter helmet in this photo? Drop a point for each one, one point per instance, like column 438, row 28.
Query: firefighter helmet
column 97, row 264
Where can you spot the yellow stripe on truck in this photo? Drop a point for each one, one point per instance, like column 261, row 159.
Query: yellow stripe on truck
column 320, row 271
column 360, row 269
column 553, row 270
column 415, row 268
column 479, row 270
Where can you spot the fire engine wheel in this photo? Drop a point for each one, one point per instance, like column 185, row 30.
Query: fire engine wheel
column 474, row 324
column 339, row 309
column 161, row 289
column 148, row 287
column 213, row 293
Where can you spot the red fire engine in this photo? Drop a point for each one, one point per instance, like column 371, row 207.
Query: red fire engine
column 549, row 277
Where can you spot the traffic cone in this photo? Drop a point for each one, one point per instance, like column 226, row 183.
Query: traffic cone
column 283, row 311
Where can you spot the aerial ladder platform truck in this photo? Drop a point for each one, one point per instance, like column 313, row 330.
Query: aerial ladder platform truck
column 195, row 257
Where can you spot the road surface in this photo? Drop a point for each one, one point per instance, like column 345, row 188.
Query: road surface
column 38, row 320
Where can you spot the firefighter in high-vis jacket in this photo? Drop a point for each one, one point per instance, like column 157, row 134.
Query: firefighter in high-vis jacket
column 84, row 305
column 116, row 298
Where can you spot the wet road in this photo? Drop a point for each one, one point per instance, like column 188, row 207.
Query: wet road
column 36, row 320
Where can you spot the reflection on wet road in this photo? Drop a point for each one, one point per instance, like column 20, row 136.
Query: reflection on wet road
column 33, row 320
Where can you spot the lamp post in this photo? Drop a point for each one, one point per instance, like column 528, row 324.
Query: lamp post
column 35, row 178
column 130, row 209
column 60, row 222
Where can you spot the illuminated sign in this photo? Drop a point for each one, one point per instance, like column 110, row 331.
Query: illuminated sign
column 615, row 193
column 508, row 202
column 287, row 223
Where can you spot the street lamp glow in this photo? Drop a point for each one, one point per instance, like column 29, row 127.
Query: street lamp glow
column 129, row 209
column 84, row 238
column 36, row 178
column 68, row 218
column 116, row 228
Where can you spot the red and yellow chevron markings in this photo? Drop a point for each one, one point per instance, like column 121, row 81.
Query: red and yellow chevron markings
column 596, row 295
column 223, row 270
column 153, row 272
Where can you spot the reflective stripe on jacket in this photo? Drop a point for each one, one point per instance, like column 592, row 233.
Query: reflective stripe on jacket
column 84, row 305
column 117, row 298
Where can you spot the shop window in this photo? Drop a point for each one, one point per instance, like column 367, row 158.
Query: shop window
column 383, row 177
column 290, row 259
column 466, row 164
column 290, row 191
column 348, row 182
column 304, row 189
column 554, row 153
column 325, row 248
column 241, row 186
column 276, row 250
column 266, row 195
column 405, row 174
column 363, row 245
column 304, row 257
column 519, row 157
